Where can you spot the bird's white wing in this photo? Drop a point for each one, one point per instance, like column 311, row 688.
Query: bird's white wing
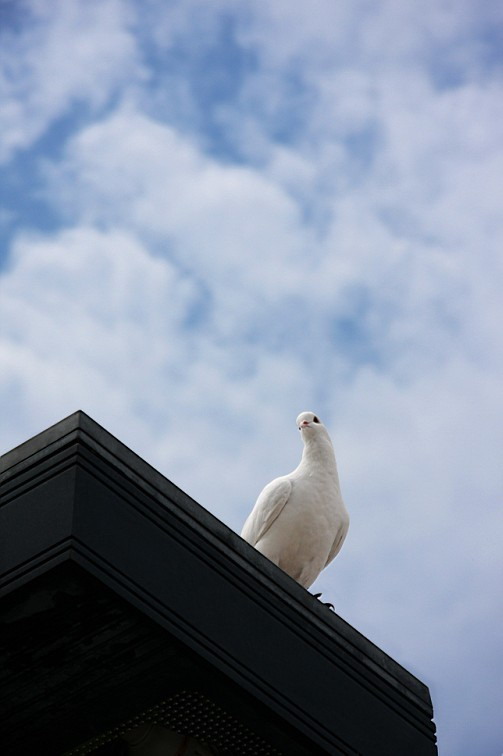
column 338, row 541
column 267, row 508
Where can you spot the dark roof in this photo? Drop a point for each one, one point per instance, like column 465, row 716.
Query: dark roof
column 122, row 594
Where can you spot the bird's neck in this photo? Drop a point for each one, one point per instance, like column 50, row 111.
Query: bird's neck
column 318, row 455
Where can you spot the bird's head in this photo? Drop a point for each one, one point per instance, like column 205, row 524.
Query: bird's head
column 308, row 422
column 313, row 433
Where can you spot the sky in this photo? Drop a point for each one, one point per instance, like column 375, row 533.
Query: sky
column 217, row 215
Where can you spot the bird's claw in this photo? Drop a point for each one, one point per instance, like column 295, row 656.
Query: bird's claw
column 325, row 603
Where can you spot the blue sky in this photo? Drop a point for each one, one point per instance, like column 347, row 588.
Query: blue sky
column 217, row 215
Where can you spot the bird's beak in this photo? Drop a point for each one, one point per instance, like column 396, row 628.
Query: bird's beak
column 304, row 424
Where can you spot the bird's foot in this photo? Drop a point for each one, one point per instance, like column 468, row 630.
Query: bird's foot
column 325, row 603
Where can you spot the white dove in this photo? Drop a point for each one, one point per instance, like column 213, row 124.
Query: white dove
column 299, row 520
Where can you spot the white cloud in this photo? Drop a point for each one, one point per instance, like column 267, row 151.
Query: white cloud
column 95, row 322
column 234, row 229
column 76, row 316
column 63, row 54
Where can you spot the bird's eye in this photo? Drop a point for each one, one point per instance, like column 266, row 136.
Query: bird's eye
column 315, row 419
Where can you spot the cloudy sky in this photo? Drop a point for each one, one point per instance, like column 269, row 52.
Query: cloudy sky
column 215, row 215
